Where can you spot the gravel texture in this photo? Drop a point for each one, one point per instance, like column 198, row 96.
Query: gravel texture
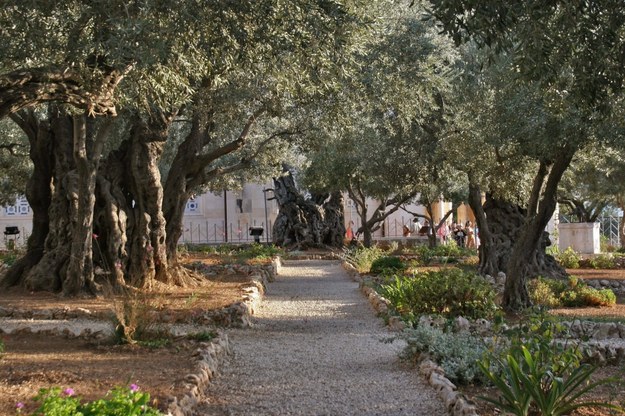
column 315, row 349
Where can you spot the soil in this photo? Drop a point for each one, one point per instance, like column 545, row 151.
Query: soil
column 92, row 368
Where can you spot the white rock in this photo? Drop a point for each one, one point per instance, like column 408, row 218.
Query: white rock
column 461, row 324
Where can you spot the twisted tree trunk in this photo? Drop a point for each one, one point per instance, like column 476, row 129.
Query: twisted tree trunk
column 38, row 192
column 51, row 269
column 130, row 222
column 302, row 223
column 87, row 148
column 526, row 259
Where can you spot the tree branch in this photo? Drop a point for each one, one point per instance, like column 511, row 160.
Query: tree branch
column 26, row 88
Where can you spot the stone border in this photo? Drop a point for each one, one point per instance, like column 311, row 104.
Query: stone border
column 210, row 356
column 617, row 286
column 455, row 403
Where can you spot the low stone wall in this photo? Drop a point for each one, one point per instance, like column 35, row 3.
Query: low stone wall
column 54, row 314
column 210, row 356
column 617, row 286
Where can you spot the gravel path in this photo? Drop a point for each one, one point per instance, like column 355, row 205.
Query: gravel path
column 315, row 350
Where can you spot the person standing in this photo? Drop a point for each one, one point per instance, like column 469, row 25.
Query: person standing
column 470, row 232
column 459, row 235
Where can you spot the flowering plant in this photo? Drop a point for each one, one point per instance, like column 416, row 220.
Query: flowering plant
column 126, row 401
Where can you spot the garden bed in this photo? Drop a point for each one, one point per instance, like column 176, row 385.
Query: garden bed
column 92, row 365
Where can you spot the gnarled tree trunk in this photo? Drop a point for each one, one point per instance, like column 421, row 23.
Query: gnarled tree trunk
column 500, row 226
column 51, row 270
column 524, row 257
column 87, row 148
column 129, row 222
column 38, row 191
column 302, row 223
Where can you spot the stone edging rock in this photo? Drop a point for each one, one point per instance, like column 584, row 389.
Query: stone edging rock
column 617, row 286
column 455, row 403
column 210, row 355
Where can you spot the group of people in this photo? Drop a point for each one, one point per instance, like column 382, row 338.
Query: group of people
column 463, row 235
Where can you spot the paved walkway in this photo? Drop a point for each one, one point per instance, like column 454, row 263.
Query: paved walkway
column 316, row 349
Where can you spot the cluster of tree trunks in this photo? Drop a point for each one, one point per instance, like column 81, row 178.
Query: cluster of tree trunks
column 95, row 219
column 113, row 222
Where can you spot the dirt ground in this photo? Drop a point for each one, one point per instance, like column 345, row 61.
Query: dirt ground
column 91, row 368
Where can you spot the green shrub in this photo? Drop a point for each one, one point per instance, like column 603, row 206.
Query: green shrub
column 584, row 295
column 259, row 251
column 203, row 336
column 155, row 343
column 120, row 401
column 603, row 261
column 555, row 293
column 456, row 353
column 542, row 293
column 568, row 258
column 605, row 245
column 8, row 257
column 449, row 292
column 362, row 257
column 537, row 376
column 387, row 263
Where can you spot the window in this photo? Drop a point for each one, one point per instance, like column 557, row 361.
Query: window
column 193, row 206
column 21, row 207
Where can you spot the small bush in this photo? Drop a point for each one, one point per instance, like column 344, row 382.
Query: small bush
column 203, row 336
column 8, row 257
column 554, row 293
column 387, row 263
column 444, row 253
column 257, row 251
column 449, row 292
column 568, row 258
column 588, row 296
column 536, row 375
column 603, row 261
column 155, row 344
column 362, row 257
column 136, row 315
column 456, row 353
column 542, row 293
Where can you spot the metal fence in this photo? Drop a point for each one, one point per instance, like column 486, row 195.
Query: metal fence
column 208, row 232
column 609, row 228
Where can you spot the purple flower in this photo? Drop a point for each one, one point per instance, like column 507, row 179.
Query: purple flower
column 19, row 405
column 134, row 388
column 68, row 391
